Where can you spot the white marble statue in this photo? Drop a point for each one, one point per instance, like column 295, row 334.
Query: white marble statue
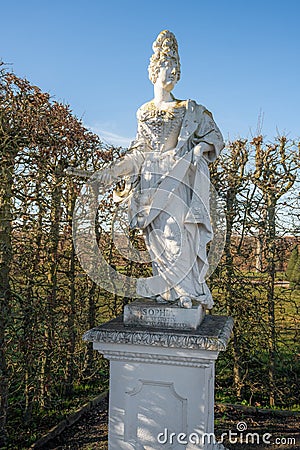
column 168, row 163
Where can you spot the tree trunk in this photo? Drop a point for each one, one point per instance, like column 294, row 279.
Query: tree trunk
column 50, row 316
column 271, row 247
column 71, row 310
column 259, row 252
column 89, row 359
column 230, row 297
column 5, row 294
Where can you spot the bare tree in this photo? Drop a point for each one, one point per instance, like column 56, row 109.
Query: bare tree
column 274, row 175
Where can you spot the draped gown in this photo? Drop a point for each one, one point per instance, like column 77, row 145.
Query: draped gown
column 171, row 198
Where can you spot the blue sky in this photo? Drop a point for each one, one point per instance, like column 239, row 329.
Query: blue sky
column 239, row 58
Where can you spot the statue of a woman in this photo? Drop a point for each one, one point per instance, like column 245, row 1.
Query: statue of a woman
column 169, row 159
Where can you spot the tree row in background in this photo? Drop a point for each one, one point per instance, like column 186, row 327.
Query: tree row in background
column 259, row 184
column 47, row 301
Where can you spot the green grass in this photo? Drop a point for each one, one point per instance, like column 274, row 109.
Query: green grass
column 22, row 435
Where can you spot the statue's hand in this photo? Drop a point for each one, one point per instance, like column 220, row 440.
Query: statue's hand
column 199, row 151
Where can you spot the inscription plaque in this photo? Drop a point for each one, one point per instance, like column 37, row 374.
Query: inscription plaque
column 165, row 315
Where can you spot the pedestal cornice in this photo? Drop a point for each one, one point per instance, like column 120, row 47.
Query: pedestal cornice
column 213, row 334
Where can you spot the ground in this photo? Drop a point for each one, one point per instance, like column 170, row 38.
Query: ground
column 90, row 432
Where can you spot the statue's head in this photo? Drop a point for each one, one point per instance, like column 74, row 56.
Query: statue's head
column 165, row 50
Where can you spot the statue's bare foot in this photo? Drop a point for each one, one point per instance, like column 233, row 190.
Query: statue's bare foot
column 185, row 302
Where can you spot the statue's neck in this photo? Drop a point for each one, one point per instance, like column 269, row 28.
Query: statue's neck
column 161, row 95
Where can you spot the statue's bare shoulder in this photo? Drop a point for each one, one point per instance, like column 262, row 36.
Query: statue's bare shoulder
column 143, row 108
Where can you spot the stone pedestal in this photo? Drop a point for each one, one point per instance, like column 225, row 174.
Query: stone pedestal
column 161, row 383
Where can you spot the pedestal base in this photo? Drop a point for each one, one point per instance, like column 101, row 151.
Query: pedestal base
column 161, row 384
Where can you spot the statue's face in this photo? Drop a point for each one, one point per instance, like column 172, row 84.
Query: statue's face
column 167, row 76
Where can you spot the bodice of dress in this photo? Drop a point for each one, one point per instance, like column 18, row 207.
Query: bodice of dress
column 161, row 128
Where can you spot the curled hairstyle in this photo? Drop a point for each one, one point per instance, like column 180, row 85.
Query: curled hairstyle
column 165, row 48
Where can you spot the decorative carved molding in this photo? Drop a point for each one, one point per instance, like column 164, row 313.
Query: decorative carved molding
column 213, row 334
column 135, row 357
column 162, row 384
column 164, row 399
